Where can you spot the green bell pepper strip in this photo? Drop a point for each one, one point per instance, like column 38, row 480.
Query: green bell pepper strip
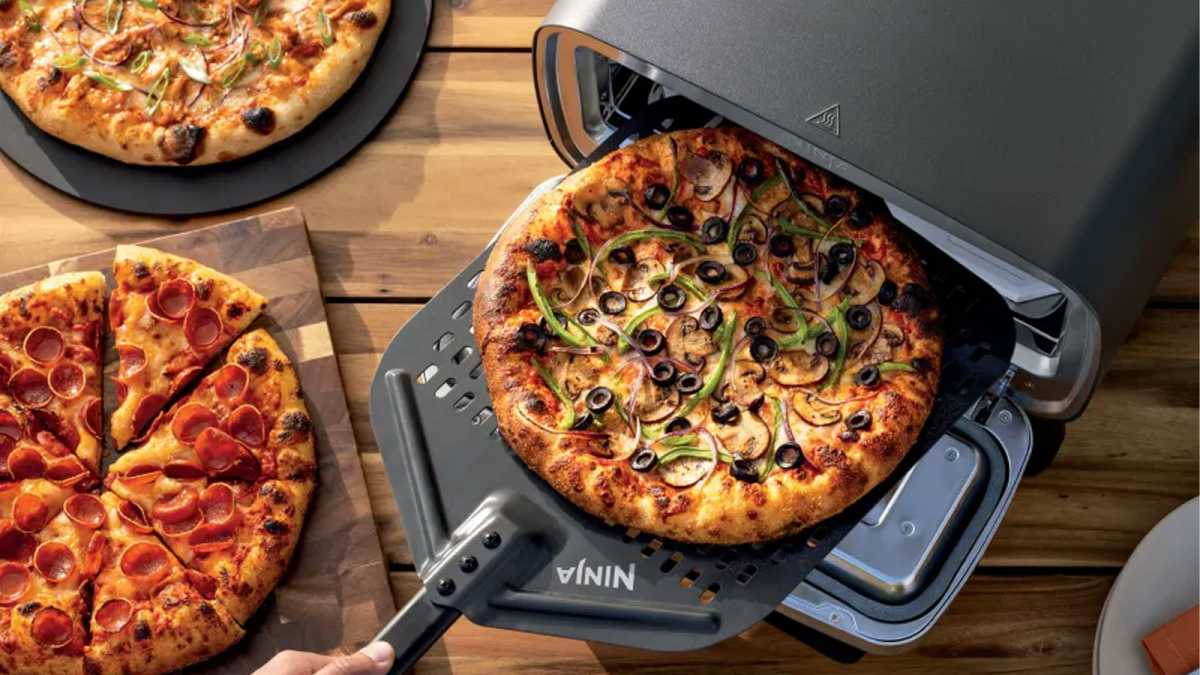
column 727, row 329
column 768, row 465
column 781, row 171
column 788, row 227
column 692, row 451
column 637, row 320
column 685, row 439
column 568, row 421
column 539, row 298
column 842, row 330
column 895, row 367
column 670, row 235
column 796, row 339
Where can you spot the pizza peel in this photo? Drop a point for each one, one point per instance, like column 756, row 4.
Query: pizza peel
column 189, row 191
column 493, row 541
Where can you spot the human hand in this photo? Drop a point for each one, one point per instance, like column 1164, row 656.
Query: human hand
column 374, row 659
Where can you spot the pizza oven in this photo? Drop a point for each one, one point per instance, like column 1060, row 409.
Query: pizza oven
column 1024, row 145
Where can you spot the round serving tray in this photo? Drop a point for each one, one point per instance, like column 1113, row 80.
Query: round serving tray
column 186, row 191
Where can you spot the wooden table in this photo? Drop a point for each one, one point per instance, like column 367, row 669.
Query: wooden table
column 401, row 216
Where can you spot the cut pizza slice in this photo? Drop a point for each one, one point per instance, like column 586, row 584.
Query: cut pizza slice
column 42, row 604
column 169, row 315
column 50, row 368
column 227, row 475
column 150, row 614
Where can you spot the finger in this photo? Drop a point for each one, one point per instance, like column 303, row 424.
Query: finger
column 374, row 659
column 294, row 663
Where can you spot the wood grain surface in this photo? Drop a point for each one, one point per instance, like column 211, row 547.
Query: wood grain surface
column 394, row 222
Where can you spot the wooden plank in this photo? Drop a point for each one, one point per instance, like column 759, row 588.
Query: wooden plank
column 1106, row 489
column 999, row 624
column 405, row 213
column 471, row 24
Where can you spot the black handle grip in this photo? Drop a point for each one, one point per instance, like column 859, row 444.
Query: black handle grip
column 414, row 630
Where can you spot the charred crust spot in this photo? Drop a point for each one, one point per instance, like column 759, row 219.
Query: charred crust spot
column 29, row 608
column 254, row 360
column 295, row 425
column 204, row 288
column 51, row 78
column 260, row 120
column 141, row 630
column 5, row 5
column 543, row 250
column 91, row 666
column 207, row 610
column 363, row 18
column 235, row 310
column 140, row 271
column 829, row 456
column 8, row 55
column 183, row 143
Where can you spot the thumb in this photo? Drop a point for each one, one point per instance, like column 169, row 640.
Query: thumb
column 374, row 659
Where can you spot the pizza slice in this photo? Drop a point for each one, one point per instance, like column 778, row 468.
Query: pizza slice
column 169, row 315
column 50, row 364
column 227, row 475
column 150, row 614
column 42, row 575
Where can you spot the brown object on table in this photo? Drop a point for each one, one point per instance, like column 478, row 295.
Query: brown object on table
column 336, row 595
column 1174, row 647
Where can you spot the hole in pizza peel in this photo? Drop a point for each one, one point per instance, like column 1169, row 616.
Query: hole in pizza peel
column 651, row 547
column 443, row 390
column 464, row 401
column 747, row 574
column 461, row 311
column 476, row 371
column 463, row 354
column 495, row 433
column 474, row 280
column 443, row 341
column 427, row 374
column 482, row 416
column 630, row 535
column 690, row 578
column 670, row 563
column 725, row 560
column 710, row 593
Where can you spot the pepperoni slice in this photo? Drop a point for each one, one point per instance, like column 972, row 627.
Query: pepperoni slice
column 116, row 311
column 176, row 298
column 25, row 462
column 66, row 379
column 86, row 510
column 182, row 378
column 246, row 468
column 205, row 585
column 52, row 445
column 182, row 469
column 140, row 474
column 52, row 627
column 229, row 383
column 133, row 360
column 246, row 424
column 202, row 326
column 15, row 545
column 66, row 472
column 5, row 371
column 10, row 427
column 122, row 392
column 144, row 561
column 182, row 527
column 29, row 386
column 218, row 450
column 113, row 614
column 50, row 422
column 14, row 581
column 147, row 409
column 54, row 561
column 176, row 508
column 90, row 415
column 93, row 557
column 211, row 537
column 190, row 420
column 30, row 512
column 44, row 345
column 246, row 493
column 82, row 353
column 134, row 518
column 216, row 503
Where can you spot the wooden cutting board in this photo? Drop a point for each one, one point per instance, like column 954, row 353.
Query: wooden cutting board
column 336, row 594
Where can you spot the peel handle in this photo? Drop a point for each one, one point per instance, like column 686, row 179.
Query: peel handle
column 414, row 630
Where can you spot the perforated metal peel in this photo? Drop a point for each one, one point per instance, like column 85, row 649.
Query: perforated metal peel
column 492, row 541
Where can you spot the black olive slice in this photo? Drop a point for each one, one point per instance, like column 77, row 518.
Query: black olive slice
column 867, row 377
column 582, row 422
column 711, row 318
column 750, row 170
column 782, row 246
column 689, row 383
column 827, row 344
column 543, row 250
column 743, row 470
column 643, row 460
column 726, row 414
column 671, row 298
column 859, row 420
column 656, row 195
column 714, row 230
column 763, row 348
column 744, row 253
column 260, row 120
column 859, row 317
column 788, row 456
column 599, row 400
column 711, row 272
column 622, row 256
column 828, row 269
column 612, row 302
column 588, row 316
column 573, row 252
column 678, row 424
column 530, row 336
column 756, row 325
column 681, row 217
column 887, row 293
column 836, row 207
column 860, row 217
column 651, row 342
column 842, row 253
column 663, row 373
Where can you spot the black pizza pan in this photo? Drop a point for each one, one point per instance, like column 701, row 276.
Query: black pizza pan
column 190, row 191
column 492, row 541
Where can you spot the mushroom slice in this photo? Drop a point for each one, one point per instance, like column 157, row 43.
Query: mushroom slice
column 655, row 403
column 748, row 439
column 784, row 320
column 568, row 289
column 686, row 340
column 636, row 287
column 745, row 384
column 579, row 373
column 603, row 201
column 685, row 471
column 753, row 229
column 708, row 175
column 792, row 369
column 860, row 341
column 770, row 194
column 878, row 353
column 892, row 334
column 798, row 216
column 866, row 281
column 815, row 411
column 829, row 290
